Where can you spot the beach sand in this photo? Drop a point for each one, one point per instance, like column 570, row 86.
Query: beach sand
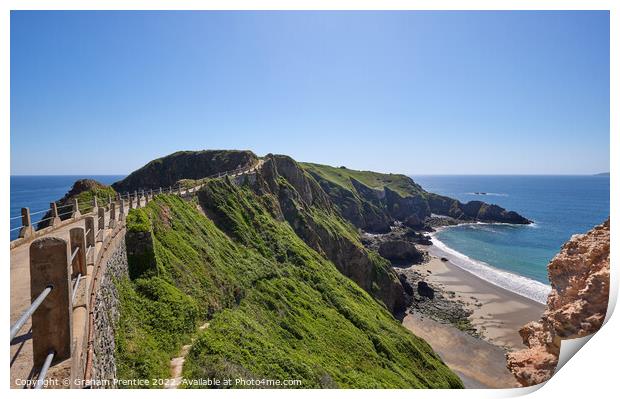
column 498, row 314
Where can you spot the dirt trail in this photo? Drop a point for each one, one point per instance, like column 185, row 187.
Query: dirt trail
column 176, row 364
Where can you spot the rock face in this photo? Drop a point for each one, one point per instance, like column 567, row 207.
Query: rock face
column 576, row 306
column 473, row 211
column 399, row 251
column 380, row 199
column 313, row 216
column 168, row 170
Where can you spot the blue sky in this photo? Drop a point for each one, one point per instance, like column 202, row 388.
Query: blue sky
column 407, row 92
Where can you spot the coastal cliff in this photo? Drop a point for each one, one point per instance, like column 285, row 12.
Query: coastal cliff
column 167, row 171
column 576, row 306
column 373, row 201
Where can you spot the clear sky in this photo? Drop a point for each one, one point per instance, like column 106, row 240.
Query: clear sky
column 407, row 92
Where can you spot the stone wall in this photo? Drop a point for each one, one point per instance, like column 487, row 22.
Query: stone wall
column 107, row 315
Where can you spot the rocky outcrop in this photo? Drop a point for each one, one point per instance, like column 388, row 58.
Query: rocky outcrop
column 361, row 208
column 473, row 211
column 406, row 207
column 400, row 251
column 425, row 290
column 576, row 306
column 84, row 190
column 168, row 170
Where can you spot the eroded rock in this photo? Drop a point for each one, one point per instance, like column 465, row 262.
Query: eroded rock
column 576, row 306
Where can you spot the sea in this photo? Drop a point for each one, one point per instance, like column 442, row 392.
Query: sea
column 515, row 257
column 36, row 193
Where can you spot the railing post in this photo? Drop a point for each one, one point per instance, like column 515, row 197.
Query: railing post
column 89, row 224
column 26, row 230
column 161, row 190
column 170, row 189
column 130, row 201
column 95, row 205
column 55, row 218
column 112, row 215
column 77, row 240
column 179, row 192
column 76, row 209
column 52, row 321
column 100, row 224
column 121, row 210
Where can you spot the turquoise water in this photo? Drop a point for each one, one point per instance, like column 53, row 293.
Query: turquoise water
column 560, row 206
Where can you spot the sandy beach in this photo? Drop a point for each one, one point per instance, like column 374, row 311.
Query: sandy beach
column 497, row 315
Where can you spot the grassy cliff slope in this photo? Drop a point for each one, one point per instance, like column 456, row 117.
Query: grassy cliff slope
column 277, row 308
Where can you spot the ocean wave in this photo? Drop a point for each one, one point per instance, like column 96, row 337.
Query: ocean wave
column 484, row 193
column 532, row 289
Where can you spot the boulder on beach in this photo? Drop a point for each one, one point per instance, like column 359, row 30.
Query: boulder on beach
column 425, row 291
column 400, row 251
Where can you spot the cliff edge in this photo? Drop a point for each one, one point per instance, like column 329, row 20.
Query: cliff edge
column 576, row 306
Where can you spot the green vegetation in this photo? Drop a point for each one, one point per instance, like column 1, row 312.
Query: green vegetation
column 277, row 308
column 401, row 184
column 103, row 194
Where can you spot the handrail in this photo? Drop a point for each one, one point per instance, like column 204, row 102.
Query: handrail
column 31, row 309
column 75, row 287
column 77, row 249
column 37, row 212
column 43, row 373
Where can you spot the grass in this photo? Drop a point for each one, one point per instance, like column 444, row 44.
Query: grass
column 103, row 194
column 277, row 308
column 401, row 184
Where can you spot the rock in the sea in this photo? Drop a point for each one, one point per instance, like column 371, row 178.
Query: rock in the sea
column 400, row 251
column 444, row 259
column 425, row 291
column 576, row 306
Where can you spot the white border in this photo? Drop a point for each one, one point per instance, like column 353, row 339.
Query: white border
column 590, row 374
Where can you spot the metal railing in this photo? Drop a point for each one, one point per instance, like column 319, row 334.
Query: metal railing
column 31, row 309
column 75, row 287
column 43, row 373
